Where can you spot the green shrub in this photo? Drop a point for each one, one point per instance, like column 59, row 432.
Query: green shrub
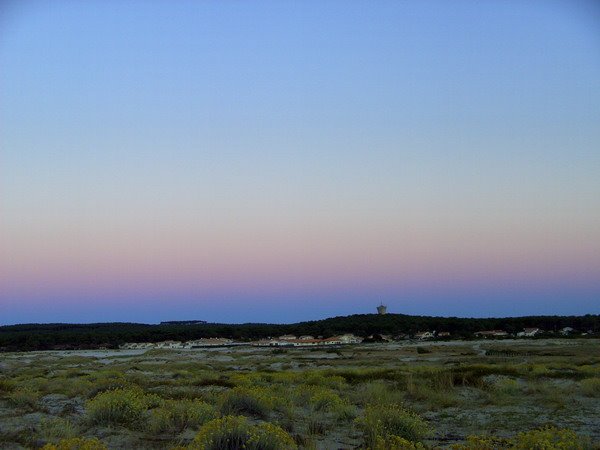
column 251, row 401
column 505, row 391
column 549, row 438
column 325, row 400
column 434, row 391
column 6, row 386
column 181, row 392
column 395, row 443
column 76, row 444
column 344, row 412
column 472, row 375
column 548, row 393
column 324, row 380
column 175, row 416
column 214, row 381
column 377, row 392
column 483, row 443
column 355, row 376
column 287, row 421
column 382, row 421
column 507, row 386
column 591, row 387
column 108, row 385
column 77, row 387
column 236, row 433
column 305, row 442
column 119, row 407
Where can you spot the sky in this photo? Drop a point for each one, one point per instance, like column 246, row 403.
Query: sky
column 279, row 161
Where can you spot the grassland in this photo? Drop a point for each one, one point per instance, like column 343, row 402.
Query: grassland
column 462, row 395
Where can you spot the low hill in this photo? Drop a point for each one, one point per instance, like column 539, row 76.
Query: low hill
column 111, row 335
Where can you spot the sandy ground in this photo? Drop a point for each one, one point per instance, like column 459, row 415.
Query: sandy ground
column 555, row 400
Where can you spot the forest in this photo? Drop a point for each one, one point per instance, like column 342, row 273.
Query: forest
column 59, row 336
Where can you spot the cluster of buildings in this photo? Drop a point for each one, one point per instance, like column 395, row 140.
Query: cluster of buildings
column 525, row 333
column 431, row 335
column 491, row 333
column 290, row 340
column 281, row 341
column 198, row 343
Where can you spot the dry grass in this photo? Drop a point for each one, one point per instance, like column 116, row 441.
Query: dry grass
column 360, row 395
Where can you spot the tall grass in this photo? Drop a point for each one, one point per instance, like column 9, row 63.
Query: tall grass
column 434, row 389
column 57, row 428
column 251, row 401
column 377, row 392
column 23, row 398
column 175, row 416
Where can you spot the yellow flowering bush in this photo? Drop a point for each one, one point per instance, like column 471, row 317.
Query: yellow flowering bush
column 320, row 379
column 395, row 443
column 316, row 397
column 120, row 407
column 384, row 421
column 76, row 444
column 507, row 386
column 483, row 443
column 237, row 433
column 325, row 400
column 591, row 387
column 548, row 438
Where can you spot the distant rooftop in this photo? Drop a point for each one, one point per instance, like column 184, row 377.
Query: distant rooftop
column 182, row 322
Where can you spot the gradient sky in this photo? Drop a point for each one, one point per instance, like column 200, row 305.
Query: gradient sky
column 289, row 160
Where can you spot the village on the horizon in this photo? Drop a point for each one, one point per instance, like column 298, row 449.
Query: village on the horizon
column 293, row 341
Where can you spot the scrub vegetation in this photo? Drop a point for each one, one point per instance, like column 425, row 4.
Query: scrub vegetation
column 462, row 395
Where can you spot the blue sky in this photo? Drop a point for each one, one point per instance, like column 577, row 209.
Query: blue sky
column 290, row 160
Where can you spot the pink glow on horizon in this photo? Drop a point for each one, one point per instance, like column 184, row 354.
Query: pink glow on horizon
column 252, row 267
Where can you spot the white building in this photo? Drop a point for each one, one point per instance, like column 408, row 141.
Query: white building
column 169, row 344
column 491, row 333
column 528, row 332
column 137, row 345
column 424, row 335
column 349, row 338
column 213, row 342
column 288, row 337
column 306, row 342
column 272, row 343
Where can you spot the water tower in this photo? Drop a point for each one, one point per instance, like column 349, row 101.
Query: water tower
column 381, row 309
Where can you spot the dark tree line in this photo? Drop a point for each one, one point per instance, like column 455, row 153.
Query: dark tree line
column 111, row 335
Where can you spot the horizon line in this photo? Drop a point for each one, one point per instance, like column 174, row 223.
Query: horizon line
column 203, row 322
